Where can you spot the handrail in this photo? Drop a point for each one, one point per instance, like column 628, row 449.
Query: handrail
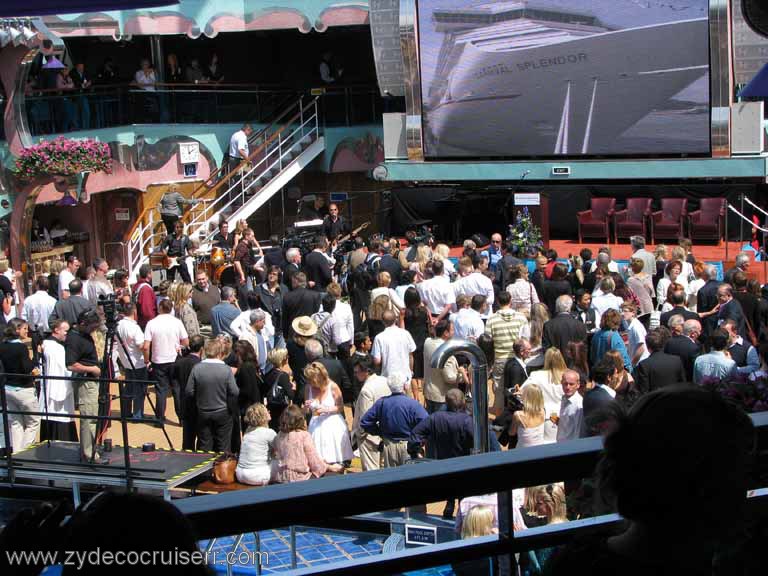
column 211, row 178
column 317, row 501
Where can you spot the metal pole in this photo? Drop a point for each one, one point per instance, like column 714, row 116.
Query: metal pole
column 741, row 220
column 479, row 385
column 7, row 434
column 727, row 216
column 257, row 545
column 293, row 547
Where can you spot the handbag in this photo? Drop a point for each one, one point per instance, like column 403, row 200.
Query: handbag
column 224, row 469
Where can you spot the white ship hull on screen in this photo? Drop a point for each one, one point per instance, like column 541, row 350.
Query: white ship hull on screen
column 540, row 82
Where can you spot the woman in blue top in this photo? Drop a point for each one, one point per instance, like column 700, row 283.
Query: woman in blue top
column 608, row 338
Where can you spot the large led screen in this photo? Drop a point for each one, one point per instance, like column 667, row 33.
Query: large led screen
column 564, row 77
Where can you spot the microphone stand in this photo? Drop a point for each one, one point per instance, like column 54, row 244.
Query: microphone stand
column 511, row 197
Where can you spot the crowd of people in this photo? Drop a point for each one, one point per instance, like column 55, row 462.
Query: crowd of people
column 298, row 368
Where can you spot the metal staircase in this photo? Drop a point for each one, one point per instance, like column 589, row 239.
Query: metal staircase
column 278, row 153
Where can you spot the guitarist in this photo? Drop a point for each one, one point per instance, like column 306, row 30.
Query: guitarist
column 176, row 248
column 335, row 225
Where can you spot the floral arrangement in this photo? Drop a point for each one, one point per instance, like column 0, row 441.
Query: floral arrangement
column 525, row 235
column 749, row 395
column 63, row 156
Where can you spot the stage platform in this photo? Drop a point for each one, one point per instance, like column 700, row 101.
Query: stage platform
column 160, row 470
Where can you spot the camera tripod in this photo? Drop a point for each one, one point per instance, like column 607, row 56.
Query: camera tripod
column 105, row 397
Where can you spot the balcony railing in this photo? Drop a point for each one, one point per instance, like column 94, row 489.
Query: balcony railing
column 58, row 112
column 320, row 502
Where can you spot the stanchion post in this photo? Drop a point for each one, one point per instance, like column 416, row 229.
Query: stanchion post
column 7, row 435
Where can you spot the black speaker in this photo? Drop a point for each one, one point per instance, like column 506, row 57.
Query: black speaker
column 480, row 239
column 756, row 15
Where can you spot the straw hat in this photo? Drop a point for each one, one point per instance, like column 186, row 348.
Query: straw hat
column 304, row 326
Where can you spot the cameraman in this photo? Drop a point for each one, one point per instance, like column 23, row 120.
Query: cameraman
column 132, row 361
column 99, row 286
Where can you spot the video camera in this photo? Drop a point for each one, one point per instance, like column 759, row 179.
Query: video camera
column 108, row 303
column 421, row 236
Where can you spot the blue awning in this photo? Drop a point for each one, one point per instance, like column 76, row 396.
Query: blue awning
column 758, row 86
column 21, row 8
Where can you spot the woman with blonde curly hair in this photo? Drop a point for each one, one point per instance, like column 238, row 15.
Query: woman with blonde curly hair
column 443, row 252
column 253, row 464
column 180, row 294
column 325, row 404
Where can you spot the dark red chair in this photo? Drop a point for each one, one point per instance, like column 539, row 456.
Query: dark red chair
column 708, row 222
column 669, row 221
column 633, row 220
column 596, row 221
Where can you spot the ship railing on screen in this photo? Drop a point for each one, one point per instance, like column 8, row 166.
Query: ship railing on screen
column 331, row 501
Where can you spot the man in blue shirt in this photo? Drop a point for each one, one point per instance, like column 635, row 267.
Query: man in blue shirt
column 224, row 313
column 394, row 418
column 493, row 252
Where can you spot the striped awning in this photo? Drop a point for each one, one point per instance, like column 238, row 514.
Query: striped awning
column 21, row 8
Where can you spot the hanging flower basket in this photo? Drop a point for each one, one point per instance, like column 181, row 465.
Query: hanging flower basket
column 64, row 157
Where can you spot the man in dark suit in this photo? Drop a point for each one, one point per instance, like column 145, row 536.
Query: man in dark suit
column 659, row 369
column 597, row 402
column 292, row 266
column 706, row 300
column 515, row 370
column 750, row 303
column 730, row 309
column 686, row 346
column 507, row 262
column 678, row 302
column 274, row 256
column 179, row 377
column 583, row 310
column 389, row 263
column 563, row 328
column 299, row 302
column 741, row 265
column 317, row 266
column 742, row 352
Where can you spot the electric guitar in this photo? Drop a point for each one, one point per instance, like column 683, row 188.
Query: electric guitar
column 354, row 232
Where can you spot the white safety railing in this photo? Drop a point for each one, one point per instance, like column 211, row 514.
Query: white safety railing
column 280, row 152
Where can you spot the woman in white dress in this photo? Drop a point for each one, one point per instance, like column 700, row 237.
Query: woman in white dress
column 528, row 423
column 693, row 288
column 327, row 427
column 548, row 381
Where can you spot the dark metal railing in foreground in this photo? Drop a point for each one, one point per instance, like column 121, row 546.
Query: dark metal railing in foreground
column 314, row 502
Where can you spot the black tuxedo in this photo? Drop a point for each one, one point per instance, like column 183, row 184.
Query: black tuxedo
column 550, row 290
column 388, row 263
column 596, row 408
column 739, row 352
column 562, row 329
column 289, row 272
column 506, row 263
column 586, row 317
column 750, row 306
column 514, row 373
column 657, row 371
column 299, row 302
column 733, row 311
column 685, row 349
column 706, row 300
column 318, row 270
column 682, row 310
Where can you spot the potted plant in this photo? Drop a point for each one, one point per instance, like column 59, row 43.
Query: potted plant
column 525, row 235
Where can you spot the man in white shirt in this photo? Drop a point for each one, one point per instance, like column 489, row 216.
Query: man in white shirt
column 606, row 299
column 255, row 335
column 468, row 321
column 131, row 357
column 67, row 275
column 145, row 77
column 38, row 307
column 473, row 282
column 393, row 348
column 342, row 323
column 636, row 332
column 569, row 421
column 438, row 381
column 99, row 285
column 238, row 147
column 164, row 337
column 437, row 293
column 373, row 388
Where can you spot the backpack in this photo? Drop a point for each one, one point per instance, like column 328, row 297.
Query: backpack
column 277, row 396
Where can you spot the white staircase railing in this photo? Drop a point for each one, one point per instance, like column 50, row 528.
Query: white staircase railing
column 280, row 149
column 274, row 149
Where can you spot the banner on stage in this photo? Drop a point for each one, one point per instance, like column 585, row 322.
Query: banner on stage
column 527, row 199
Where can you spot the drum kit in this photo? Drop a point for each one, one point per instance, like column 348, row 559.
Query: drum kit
column 217, row 264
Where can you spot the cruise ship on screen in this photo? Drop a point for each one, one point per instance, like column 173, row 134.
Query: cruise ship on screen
column 518, row 79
